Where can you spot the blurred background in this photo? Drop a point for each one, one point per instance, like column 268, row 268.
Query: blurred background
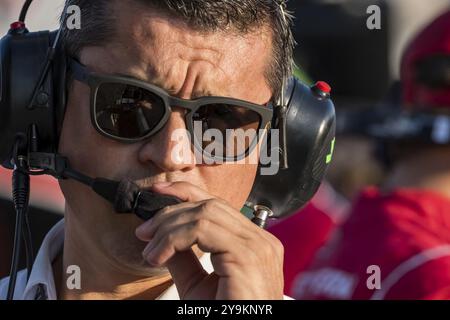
column 361, row 65
column 334, row 45
column 43, row 15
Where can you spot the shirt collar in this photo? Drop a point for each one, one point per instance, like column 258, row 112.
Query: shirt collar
column 42, row 278
column 42, row 271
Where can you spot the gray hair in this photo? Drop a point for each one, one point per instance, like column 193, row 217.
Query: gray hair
column 242, row 16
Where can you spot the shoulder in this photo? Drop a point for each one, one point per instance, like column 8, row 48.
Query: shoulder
column 21, row 283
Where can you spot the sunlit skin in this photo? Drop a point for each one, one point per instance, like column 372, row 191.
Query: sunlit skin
column 113, row 250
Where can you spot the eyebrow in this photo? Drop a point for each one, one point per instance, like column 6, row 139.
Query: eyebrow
column 194, row 95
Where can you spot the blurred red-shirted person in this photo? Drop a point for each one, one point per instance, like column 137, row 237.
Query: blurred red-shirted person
column 400, row 234
column 307, row 231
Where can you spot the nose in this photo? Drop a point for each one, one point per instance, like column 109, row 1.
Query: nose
column 170, row 149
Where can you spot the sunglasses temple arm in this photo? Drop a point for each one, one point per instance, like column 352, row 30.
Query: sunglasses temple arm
column 79, row 72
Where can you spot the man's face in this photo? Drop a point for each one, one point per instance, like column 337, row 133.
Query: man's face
column 186, row 63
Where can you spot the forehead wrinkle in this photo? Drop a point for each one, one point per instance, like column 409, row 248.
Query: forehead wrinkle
column 234, row 59
column 162, row 83
column 179, row 75
column 189, row 45
column 186, row 62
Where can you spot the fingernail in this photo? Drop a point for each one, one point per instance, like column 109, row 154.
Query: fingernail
column 163, row 184
column 140, row 229
column 149, row 255
column 144, row 225
column 147, row 250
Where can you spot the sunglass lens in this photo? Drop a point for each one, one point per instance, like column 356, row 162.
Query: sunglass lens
column 126, row 111
column 226, row 130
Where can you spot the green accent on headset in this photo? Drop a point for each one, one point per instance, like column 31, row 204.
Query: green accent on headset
column 247, row 211
column 302, row 76
column 330, row 155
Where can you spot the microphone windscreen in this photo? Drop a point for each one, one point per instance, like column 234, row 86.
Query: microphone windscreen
column 149, row 203
column 144, row 203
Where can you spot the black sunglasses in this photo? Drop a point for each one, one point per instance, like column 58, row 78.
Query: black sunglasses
column 129, row 110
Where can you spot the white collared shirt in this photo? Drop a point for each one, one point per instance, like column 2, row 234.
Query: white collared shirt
column 41, row 285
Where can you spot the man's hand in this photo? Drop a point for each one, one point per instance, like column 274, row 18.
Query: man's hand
column 247, row 260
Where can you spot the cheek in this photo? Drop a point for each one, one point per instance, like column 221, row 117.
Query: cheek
column 76, row 126
column 87, row 150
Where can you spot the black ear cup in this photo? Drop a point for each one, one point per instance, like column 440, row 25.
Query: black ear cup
column 311, row 123
column 23, row 59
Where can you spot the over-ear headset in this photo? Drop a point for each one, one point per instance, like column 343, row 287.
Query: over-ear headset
column 33, row 75
column 310, row 132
